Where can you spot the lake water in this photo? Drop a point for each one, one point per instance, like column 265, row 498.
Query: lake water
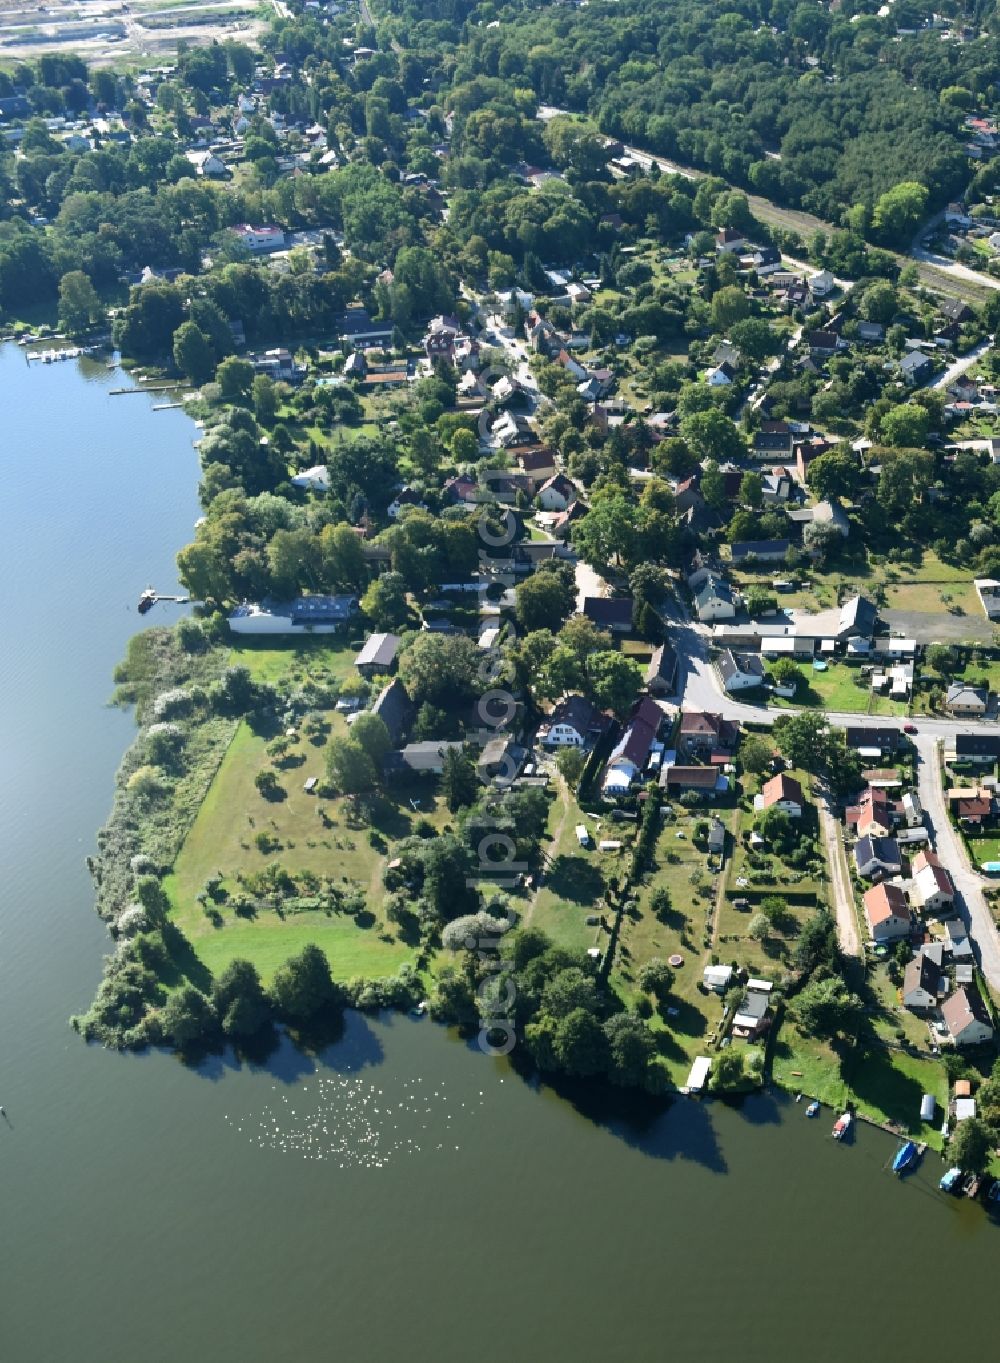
column 408, row 1199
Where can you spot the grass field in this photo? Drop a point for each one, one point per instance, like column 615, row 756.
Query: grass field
column 684, row 929
column 835, row 689
column 306, row 834
column 574, row 878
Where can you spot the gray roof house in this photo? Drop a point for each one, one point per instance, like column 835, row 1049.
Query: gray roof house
column 661, row 674
column 916, row 367
column 921, row 979
column 963, row 699
column 394, row 707
column 714, row 599
column 740, row 671
column 877, row 857
column 761, row 551
column 378, row 654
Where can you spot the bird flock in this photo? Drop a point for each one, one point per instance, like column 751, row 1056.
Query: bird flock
column 352, row 1124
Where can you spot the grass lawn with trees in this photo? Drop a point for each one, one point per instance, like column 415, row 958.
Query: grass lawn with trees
column 303, row 833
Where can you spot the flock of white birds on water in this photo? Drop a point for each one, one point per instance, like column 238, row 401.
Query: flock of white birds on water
column 352, row 1123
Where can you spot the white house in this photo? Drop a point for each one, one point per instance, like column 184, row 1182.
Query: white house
column 714, row 599
column 966, row 1018
column 556, row 493
column 264, row 238
column 316, row 479
column 572, row 724
column 303, row 616
column 933, row 889
column 721, row 376
column 740, row 671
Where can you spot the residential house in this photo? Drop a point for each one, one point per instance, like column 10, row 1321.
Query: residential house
column 873, row 740
column 394, row 707
column 858, row 618
column 714, row 599
column 782, row 792
column 406, row 496
column 716, row 837
column 501, row 760
column 573, row 723
column 356, row 366
column 538, row 462
column 425, row 757
column 701, row 734
column 722, row 376
column 876, row 857
column 706, row 780
column 740, row 671
column 871, row 332
column 823, row 513
column 822, row 285
column 378, row 656
column 759, row 551
column 823, row 344
column 973, row 806
column 886, row 913
column 661, row 674
column 729, row 239
column 303, row 616
column 631, row 753
column 609, row 612
column 966, row 701
column 753, row 1013
column 556, row 493
column 872, row 816
column 982, row 748
column 965, row 1016
column 260, row 239
column 717, row 977
column 921, row 984
column 916, row 368
column 933, row 889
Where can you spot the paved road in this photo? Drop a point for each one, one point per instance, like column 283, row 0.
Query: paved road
column 701, row 690
column 945, row 263
column 969, row 901
column 956, row 370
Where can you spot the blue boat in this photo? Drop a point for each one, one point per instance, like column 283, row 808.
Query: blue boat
column 904, row 1157
column 950, row 1180
column 813, row 1109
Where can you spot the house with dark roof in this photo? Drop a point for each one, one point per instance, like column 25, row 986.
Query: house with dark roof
column 714, row 599
column 556, row 493
column 701, row 733
column 759, row 551
column 916, row 368
column 631, row 753
column 573, row 723
column 708, row 780
column 978, row 748
column 873, row 739
column 661, row 674
column 858, row 618
column 378, row 655
column 394, row 707
column 966, row 1017
column 740, row 671
column 609, row 612
column 921, row 983
column 876, row 857
column 966, row 701
column 426, row 757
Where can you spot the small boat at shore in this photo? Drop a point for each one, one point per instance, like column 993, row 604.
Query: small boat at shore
column 949, row 1180
column 813, row 1109
column 147, row 600
column 904, row 1157
column 841, row 1126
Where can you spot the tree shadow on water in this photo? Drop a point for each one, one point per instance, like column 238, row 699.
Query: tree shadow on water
column 664, row 1128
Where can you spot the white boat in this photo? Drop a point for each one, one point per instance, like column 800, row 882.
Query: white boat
column 841, row 1126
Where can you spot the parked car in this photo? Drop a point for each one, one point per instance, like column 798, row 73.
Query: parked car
column 909, row 728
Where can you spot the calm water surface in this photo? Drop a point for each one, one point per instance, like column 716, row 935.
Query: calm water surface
column 407, row 1199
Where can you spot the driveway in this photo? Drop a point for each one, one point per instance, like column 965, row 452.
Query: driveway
column 970, row 902
column 939, row 627
column 842, row 892
column 956, row 370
